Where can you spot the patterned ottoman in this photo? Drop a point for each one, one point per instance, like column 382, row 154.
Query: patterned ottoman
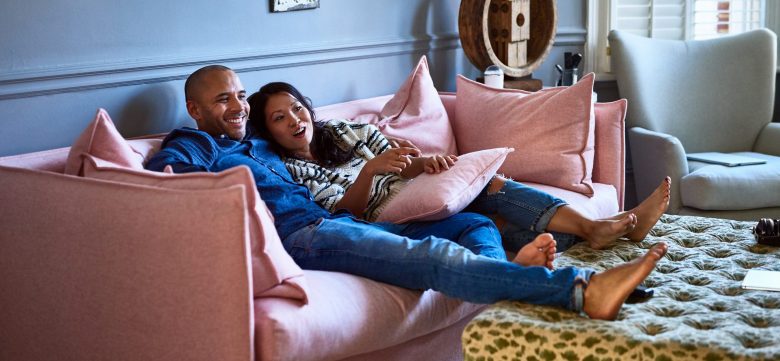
column 698, row 312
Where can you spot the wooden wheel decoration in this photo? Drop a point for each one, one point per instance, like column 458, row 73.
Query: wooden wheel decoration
column 516, row 35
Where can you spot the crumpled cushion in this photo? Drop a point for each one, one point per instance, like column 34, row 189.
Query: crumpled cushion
column 699, row 310
column 717, row 187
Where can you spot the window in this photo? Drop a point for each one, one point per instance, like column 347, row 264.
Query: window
column 668, row 19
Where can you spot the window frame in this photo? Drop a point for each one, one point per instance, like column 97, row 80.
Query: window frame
column 599, row 22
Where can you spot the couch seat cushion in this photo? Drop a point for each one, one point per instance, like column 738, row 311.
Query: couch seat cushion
column 349, row 315
column 717, row 187
column 698, row 311
column 603, row 203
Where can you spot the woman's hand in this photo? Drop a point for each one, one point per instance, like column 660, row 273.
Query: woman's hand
column 393, row 160
column 439, row 163
column 400, row 142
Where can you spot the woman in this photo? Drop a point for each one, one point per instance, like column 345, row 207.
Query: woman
column 353, row 167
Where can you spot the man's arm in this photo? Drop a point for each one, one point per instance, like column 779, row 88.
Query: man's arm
column 185, row 152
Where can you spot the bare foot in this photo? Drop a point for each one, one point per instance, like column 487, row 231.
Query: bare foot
column 540, row 252
column 607, row 290
column 650, row 210
column 605, row 231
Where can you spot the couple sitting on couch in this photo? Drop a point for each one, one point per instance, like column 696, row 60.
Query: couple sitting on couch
column 460, row 256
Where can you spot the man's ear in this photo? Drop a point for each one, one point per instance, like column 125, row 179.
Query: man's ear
column 194, row 110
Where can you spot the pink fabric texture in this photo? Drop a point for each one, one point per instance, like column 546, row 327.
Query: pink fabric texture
column 609, row 162
column 274, row 273
column 106, row 271
column 430, row 197
column 552, row 130
column 102, row 140
column 602, row 204
column 415, row 113
column 349, row 315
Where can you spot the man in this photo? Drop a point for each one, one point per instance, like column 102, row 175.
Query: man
column 459, row 256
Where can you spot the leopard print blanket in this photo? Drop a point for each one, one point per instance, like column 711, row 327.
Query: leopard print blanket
column 699, row 310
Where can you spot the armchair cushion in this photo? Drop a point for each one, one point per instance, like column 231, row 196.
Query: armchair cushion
column 274, row 273
column 552, row 130
column 717, row 187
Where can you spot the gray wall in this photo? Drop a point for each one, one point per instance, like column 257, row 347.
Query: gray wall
column 61, row 60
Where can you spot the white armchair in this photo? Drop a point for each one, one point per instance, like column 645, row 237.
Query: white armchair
column 702, row 96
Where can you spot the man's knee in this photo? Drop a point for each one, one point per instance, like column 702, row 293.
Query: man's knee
column 473, row 219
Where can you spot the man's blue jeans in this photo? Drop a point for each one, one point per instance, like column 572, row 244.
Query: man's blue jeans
column 527, row 212
column 460, row 256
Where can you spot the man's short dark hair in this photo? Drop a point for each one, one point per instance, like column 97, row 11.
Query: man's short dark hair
column 195, row 78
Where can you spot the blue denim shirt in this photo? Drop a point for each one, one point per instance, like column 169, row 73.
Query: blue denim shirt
column 192, row 150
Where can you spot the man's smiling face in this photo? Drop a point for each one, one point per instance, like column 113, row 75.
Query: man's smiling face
column 219, row 105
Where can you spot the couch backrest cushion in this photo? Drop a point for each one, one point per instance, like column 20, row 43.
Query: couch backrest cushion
column 109, row 271
column 430, row 197
column 552, row 130
column 274, row 273
column 415, row 112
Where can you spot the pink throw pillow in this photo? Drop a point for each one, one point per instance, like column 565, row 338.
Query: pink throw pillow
column 274, row 273
column 552, row 130
column 102, row 140
column 430, row 197
column 415, row 113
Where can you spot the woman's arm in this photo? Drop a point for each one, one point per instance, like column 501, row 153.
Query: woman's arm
column 356, row 197
column 431, row 165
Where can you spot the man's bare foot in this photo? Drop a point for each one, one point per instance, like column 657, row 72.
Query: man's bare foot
column 607, row 290
column 540, row 252
column 605, row 231
column 650, row 210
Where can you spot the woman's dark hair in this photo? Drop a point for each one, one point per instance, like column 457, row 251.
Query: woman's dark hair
column 323, row 144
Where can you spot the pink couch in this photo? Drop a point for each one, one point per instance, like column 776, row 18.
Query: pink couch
column 79, row 283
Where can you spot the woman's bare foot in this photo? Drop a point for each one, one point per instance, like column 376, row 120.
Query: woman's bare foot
column 540, row 252
column 650, row 210
column 607, row 290
column 605, row 231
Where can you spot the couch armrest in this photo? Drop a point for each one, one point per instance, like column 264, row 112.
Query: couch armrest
column 654, row 156
column 768, row 141
column 609, row 163
column 122, row 272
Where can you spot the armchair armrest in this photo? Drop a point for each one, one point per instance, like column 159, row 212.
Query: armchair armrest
column 122, row 272
column 654, row 156
column 768, row 141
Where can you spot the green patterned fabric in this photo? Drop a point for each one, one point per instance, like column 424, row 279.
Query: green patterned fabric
column 699, row 310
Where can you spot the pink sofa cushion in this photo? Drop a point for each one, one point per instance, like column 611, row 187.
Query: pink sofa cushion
column 415, row 113
column 602, row 204
column 102, row 139
column 609, row 161
column 552, row 130
column 105, row 271
column 274, row 273
column 430, row 197
column 349, row 315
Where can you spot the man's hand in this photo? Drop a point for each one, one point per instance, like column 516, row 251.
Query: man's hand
column 394, row 160
column 439, row 163
column 400, row 142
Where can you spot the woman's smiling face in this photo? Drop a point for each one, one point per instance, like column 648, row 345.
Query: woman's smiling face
column 289, row 123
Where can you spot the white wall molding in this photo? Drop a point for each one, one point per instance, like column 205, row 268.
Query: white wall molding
column 56, row 80
column 84, row 77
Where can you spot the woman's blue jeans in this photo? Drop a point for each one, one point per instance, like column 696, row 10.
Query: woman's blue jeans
column 460, row 256
column 527, row 212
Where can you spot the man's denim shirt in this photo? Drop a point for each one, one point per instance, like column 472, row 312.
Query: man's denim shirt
column 192, row 150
